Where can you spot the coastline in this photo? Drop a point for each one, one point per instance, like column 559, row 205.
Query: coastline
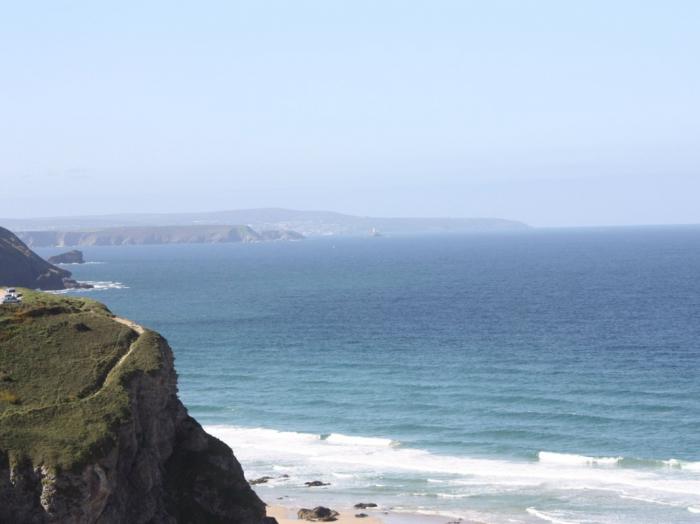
column 288, row 515
column 347, row 515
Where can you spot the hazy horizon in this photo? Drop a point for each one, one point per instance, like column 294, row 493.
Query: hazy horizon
column 554, row 114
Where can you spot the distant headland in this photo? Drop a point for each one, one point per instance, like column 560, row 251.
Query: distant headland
column 148, row 235
column 258, row 225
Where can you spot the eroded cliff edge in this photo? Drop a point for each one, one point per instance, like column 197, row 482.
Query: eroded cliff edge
column 92, row 430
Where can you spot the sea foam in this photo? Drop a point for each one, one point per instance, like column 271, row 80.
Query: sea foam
column 549, row 517
column 362, row 459
column 96, row 286
column 570, row 459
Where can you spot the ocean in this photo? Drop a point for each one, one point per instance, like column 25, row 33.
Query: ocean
column 539, row 376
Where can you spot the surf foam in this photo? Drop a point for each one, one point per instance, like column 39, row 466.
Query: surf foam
column 570, row 459
column 368, row 458
column 549, row 517
column 97, row 285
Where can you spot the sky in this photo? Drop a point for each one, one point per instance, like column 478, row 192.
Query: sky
column 555, row 113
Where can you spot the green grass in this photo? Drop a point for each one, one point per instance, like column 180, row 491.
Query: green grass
column 61, row 397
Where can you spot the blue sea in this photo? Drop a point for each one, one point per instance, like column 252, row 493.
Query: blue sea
column 539, row 376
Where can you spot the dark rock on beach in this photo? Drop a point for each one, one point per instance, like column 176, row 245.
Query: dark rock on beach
column 70, row 257
column 361, row 515
column 260, row 480
column 318, row 514
column 365, row 505
column 316, row 483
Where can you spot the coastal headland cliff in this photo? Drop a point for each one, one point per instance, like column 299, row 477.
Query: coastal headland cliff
column 20, row 266
column 92, row 430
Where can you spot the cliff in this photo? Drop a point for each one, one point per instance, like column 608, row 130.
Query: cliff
column 193, row 234
column 20, row 266
column 92, row 430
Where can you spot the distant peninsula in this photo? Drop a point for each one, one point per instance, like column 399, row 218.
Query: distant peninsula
column 264, row 221
column 147, row 235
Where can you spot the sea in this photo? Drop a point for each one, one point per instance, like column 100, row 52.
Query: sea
column 512, row 377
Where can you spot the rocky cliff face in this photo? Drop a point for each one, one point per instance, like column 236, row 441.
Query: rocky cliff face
column 113, row 445
column 20, row 266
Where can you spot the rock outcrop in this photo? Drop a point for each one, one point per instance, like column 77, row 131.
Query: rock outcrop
column 318, row 514
column 69, row 257
column 21, row 267
column 95, row 431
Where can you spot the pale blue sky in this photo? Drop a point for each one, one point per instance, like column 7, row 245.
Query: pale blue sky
column 555, row 113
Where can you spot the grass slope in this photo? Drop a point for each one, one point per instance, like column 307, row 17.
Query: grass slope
column 64, row 365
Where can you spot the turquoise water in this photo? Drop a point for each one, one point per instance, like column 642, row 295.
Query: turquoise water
column 530, row 377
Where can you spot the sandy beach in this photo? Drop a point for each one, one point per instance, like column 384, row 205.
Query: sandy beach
column 286, row 515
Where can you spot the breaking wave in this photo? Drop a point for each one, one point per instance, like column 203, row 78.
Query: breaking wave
column 570, row 459
column 363, row 459
column 554, row 519
column 97, row 286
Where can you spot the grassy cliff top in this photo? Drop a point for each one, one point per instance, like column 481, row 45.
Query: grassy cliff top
column 64, row 366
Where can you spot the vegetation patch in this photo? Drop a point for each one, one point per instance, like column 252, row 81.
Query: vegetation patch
column 64, row 367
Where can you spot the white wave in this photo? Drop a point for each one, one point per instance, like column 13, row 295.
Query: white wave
column 453, row 495
column 681, row 464
column 648, row 500
column 570, row 459
column 693, row 509
column 96, row 286
column 311, row 456
column 100, row 285
column 430, row 513
column 549, row 517
column 338, row 438
column 691, row 466
column 344, row 475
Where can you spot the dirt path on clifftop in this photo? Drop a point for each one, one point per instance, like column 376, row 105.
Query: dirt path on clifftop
column 133, row 325
column 139, row 329
column 129, row 323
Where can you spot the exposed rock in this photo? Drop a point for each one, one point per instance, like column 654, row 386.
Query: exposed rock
column 365, row 505
column 260, row 480
column 318, row 514
column 361, row 515
column 69, row 257
column 69, row 283
column 316, row 483
column 114, row 444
